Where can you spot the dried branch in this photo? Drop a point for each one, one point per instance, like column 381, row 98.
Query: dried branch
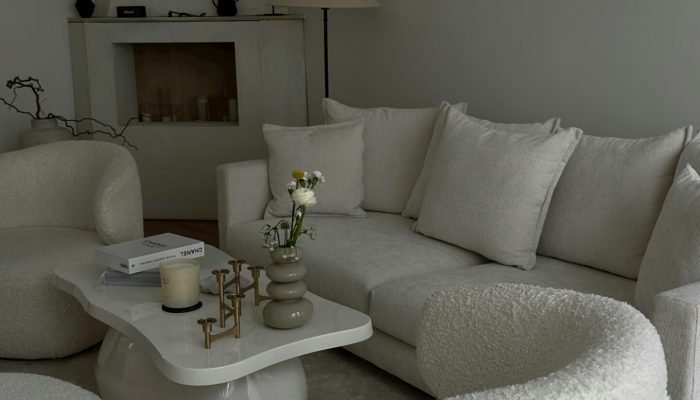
column 106, row 129
column 34, row 85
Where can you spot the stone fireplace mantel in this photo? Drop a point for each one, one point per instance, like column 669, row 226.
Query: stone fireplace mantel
column 177, row 158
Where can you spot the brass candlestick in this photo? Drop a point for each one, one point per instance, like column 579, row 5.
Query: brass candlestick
column 227, row 311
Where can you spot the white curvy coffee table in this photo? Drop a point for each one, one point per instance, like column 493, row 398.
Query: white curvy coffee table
column 151, row 354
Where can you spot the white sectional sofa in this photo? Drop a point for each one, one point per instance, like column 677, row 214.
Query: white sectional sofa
column 381, row 266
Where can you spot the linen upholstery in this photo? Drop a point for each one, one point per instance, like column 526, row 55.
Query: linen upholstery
column 518, row 341
column 396, row 304
column 489, row 190
column 391, row 355
column 59, row 201
column 690, row 155
column 22, row 386
column 336, row 150
column 415, row 201
column 675, row 316
column 354, row 255
column 395, row 139
column 608, row 198
column 672, row 258
column 242, row 193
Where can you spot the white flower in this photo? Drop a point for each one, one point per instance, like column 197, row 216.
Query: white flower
column 292, row 185
column 320, row 176
column 304, row 197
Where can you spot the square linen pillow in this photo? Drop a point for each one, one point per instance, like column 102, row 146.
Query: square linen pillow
column 395, row 145
column 489, row 189
column 673, row 256
column 608, row 199
column 415, row 201
column 336, row 150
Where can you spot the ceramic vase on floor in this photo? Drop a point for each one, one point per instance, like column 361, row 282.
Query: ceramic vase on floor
column 43, row 131
column 288, row 309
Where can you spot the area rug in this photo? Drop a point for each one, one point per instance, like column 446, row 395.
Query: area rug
column 332, row 375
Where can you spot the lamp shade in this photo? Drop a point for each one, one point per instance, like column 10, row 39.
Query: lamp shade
column 325, row 3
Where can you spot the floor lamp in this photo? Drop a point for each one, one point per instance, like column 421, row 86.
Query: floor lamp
column 325, row 5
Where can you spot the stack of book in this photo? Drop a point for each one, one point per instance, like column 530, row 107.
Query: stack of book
column 136, row 262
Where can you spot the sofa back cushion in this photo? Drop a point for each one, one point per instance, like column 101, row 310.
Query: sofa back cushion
column 335, row 150
column 415, row 201
column 608, row 199
column 671, row 260
column 395, row 144
column 489, row 190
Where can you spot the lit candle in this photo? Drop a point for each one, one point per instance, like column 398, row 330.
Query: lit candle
column 179, row 280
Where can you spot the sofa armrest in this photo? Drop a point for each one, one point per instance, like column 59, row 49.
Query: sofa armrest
column 243, row 191
column 675, row 315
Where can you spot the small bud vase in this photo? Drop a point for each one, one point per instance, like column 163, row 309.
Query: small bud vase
column 288, row 309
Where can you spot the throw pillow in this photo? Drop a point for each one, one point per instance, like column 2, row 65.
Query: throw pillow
column 395, row 145
column 336, row 150
column 671, row 260
column 690, row 155
column 608, row 199
column 489, row 190
column 415, row 201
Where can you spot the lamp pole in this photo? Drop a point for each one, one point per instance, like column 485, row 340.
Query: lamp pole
column 325, row 48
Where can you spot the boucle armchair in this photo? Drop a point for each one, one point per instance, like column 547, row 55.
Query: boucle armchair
column 57, row 203
column 519, row 341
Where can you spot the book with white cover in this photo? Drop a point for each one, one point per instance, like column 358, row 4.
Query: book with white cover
column 147, row 253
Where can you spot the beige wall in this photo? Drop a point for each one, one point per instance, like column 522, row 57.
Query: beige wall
column 34, row 41
column 624, row 68
column 616, row 68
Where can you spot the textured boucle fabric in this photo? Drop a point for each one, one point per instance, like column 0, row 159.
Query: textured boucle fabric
column 396, row 306
column 45, row 321
column 81, row 184
column 19, row 386
column 58, row 202
column 523, row 342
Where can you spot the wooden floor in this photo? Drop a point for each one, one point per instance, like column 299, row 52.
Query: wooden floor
column 206, row 231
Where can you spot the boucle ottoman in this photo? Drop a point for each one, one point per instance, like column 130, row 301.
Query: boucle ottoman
column 18, row 386
column 519, row 341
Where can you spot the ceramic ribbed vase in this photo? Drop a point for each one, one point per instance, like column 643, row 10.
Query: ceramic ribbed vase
column 288, row 309
column 43, row 131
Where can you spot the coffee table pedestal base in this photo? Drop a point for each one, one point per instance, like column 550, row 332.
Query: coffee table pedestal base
column 124, row 372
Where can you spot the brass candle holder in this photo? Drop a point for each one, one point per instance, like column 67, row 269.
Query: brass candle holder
column 227, row 311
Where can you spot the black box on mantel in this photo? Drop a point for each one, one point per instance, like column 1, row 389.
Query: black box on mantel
column 131, row 11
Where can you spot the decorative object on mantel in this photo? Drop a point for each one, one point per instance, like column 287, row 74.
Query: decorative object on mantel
column 226, row 8
column 289, row 309
column 85, row 8
column 325, row 5
column 131, row 12
column 45, row 127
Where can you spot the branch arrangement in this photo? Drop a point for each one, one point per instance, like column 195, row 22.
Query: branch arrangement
column 32, row 84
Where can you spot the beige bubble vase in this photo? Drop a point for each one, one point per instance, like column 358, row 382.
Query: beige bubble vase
column 288, row 308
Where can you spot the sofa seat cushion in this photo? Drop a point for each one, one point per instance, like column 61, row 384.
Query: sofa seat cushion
column 351, row 256
column 45, row 321
column 396, row 306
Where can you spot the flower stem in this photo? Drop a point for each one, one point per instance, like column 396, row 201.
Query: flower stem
column 297, row 229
